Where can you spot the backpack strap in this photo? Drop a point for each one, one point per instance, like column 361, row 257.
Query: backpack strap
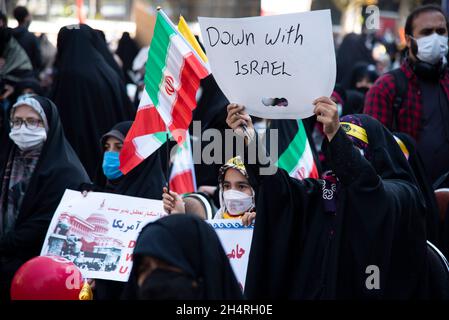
column 401, row 84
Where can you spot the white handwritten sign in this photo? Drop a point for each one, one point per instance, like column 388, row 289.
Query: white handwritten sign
column 275, row 66
column 98, row 232
column 236, row 241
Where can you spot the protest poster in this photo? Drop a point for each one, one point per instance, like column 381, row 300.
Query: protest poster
column 274, row 65
column 236, row 241
column 98, row 232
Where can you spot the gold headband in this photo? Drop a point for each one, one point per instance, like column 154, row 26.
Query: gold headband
column 236, row 162
column 355, row 131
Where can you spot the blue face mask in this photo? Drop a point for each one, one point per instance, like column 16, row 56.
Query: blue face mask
column 111, row 164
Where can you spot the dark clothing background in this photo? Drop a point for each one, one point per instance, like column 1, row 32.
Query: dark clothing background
column 313, row 253
column 58, row 169
column 99, row 42
column 352, row 50
column 127, row 50
column 211, row 111
column 433, row 144
column 89, row 93
column 416, row 163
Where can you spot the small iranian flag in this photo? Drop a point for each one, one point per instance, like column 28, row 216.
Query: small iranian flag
column 182, row 176
column 296, row 157
column 172, row 76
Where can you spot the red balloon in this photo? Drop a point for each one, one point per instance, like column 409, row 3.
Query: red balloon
column 47, row 278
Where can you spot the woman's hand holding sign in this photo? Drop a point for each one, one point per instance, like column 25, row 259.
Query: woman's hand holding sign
column 240, row 121
column 325, row 109
column 237, row 118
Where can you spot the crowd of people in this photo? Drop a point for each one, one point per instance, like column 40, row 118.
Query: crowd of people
column 380, row 141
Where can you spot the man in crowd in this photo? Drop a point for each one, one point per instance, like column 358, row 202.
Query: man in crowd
column 421, row 109
column 27, row 40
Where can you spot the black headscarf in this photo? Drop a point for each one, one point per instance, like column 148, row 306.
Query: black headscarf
column 310, row 251
column 100, row 43
column 90, row 95
column 414, row 159
column 58, row 169
column 127, row 50
column 190, row 244
column 119, row 131
column 352, row 50
column 358, row 72
column 144, row 181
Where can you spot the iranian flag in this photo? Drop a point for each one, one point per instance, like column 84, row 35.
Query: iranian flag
column 296, row 155
column 172, row 77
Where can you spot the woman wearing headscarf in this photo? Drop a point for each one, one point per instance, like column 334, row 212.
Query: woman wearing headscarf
column 90, row 95
column 39, row 167
column 408, row 147
column 144, row 181
column 127, row 50
column 358, row 233
column 179, row 257
column 236, row 193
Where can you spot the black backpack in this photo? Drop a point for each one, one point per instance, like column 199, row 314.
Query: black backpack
column 400, row 84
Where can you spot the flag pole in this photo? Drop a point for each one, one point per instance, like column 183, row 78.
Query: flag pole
column 167, row 147
column 168, row 162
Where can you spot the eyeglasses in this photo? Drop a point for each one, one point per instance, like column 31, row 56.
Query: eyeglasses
column 30, row 123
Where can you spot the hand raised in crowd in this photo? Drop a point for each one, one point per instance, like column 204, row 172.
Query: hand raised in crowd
column 238, row 118
column 327, row 113
column 173, row 202
column 248, row 218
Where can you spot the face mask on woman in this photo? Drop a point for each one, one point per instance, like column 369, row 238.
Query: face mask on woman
column 27, row 139
column 111, row 164
column 237, row 202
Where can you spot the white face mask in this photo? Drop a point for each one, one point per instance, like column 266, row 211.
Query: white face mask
column 27, row 139
column 237, row 202
column 432, row 49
